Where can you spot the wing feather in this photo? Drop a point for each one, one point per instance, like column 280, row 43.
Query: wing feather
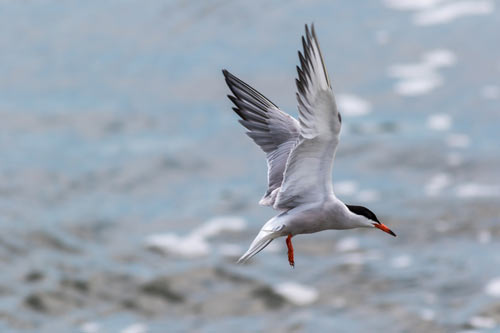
column 308, row 173
column 272, row 129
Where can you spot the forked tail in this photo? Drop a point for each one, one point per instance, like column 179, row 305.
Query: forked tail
column 269, row 231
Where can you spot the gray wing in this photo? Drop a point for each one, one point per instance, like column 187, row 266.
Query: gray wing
column 308, row 173
column 272, row 129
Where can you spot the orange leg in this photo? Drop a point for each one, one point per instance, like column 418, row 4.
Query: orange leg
column 290, row 250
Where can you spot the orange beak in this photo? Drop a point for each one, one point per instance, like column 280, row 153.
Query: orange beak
column 383, row 227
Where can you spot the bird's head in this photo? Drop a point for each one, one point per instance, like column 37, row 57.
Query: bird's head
column 369, row 219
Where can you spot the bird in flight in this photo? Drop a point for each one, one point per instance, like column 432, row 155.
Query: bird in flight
column 299, row 154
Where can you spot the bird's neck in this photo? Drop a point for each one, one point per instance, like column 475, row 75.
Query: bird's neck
column 343, row 218
column 358, row 221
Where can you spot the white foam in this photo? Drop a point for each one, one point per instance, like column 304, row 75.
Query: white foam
column 457, row 140
column 490, row 92
column 135, row 328
column 401, row 261
column 90, row 327
column 188, row 246
column 493, row 287
column 430, row 12
column 217, row 225
column 422, row 77
column 345, row 187
column 297, row 294
column 418, row 86
column 196, row 243
column 427, row 314
column 484, row 236
column 439, row 122
column 352, row 105
column 411, row 4
column 368, row 195
column 436, row 184
column 482, row 322
column 440, row 58
column 474, row 190
column 348, row 244
column 451, row 11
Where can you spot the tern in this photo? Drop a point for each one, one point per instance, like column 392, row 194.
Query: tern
column 299, row 154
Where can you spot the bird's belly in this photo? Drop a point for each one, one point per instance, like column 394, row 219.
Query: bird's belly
column 311, row 221
column 306, row 224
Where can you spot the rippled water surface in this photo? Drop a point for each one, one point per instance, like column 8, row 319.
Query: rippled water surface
column 128, row 189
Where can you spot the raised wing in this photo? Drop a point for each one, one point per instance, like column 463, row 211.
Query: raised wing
column 308, row 173
column 272, row 129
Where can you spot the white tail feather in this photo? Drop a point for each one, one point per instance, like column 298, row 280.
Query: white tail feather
column 253, row 250
column 269, row 231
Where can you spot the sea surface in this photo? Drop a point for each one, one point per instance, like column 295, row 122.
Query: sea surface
column 128, row 189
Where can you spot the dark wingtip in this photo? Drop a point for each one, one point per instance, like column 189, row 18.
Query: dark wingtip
column 307, row 36
column 227, row 75
column 232, row 99
column 313, row 32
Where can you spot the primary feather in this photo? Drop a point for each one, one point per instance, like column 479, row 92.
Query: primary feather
column 272, row 129
column 308, row 172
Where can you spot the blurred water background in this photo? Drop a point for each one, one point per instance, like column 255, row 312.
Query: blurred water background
column 128, row 189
